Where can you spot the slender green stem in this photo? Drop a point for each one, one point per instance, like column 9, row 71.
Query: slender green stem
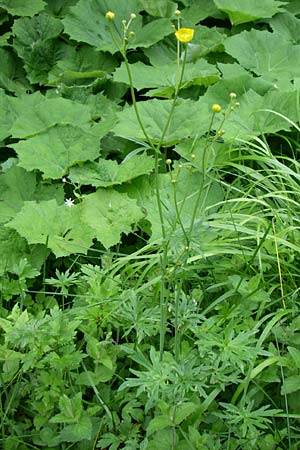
column 157, row 153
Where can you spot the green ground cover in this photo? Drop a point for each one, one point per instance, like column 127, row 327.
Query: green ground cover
column 149, row 224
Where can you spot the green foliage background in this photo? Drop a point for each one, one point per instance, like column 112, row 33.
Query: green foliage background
column 81, row 321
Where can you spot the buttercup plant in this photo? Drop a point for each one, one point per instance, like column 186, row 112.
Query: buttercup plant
column 183, row 36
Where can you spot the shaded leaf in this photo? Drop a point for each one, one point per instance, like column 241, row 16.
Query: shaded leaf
column 144, row 76
column 36, row 114
column 242, row 11
column 159, row 8
column 21, row 8
column 55, row 151
column 265, row 53
column 7, row 116
column 108, row 173
column 109, row 214
column 188, row 119
column 60, row 226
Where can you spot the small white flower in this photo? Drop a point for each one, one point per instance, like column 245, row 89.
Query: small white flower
column 64, row 180
column 69, row 202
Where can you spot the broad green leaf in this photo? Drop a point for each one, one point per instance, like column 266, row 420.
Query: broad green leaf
column 17, row 185
column 265, row 54
column 36, row 114
column 12, row 75
column 159, row 423
column 60, row 227
column 58, row 8
column 82, row 66
column 187, row 189
column 193, row 14
column 14, row 248
column 242, row 11
column 151, row 33
column 206, row 40
column 110, row 213
column 290, row 384
column 55, row 151
column 182, row 411
column 70, row 409
column 144, row 76
column 35, row 43
column 287, row 26
column 188, row 119
column 108, row 172
column 159, row 8
column 86, row 22
column 7, row 116
column 23, row 8
column 77, row 432
column 251, row 120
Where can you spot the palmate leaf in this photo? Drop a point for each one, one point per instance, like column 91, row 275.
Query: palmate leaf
column 14, row 249
column 242, row 11
column 22, row 8
column 17, row 186
column 35, row 43
column 110, row 213
column 108, row 172
column 86, row 22
column 12, row 75
column 265, row 54
column 7, row 115
column 56, row 150
column 60, row 227
column 36, row 114
column 159, row 8
column 287, row 25
column 188, row 119
column 144, row 76
column 81, row 66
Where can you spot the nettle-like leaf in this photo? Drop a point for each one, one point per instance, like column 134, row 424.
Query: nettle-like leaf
column 86, row 22
column 21, row 8
column 35, row 43
column 56, row 150
column 265, row 54
column 108, row 172
column 242, row 11
column 188, row 119
column 58, row 226
column 110, row 213
column 36, row 114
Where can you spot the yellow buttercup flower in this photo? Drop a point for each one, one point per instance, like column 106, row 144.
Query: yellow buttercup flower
column 185, row 34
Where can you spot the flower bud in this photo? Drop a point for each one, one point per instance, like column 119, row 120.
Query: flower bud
column 169, row 161
column 232, row 95
column 177, row 13
column 110, row 15
column 216, row 108
column 132, row 16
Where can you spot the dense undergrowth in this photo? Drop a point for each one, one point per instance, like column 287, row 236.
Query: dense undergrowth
column 149, row 224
